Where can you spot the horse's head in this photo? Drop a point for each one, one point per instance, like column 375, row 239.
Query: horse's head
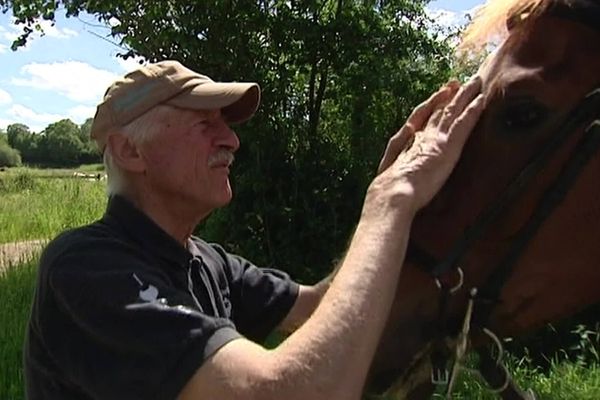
column 520, row 215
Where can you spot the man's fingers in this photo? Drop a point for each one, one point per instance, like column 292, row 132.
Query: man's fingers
column 416, row 122
column 395, row 145
column 420, row 116
column 463, row 126
column 461, row 100
column 435, row 118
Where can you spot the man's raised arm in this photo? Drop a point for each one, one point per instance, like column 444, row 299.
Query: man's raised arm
column 328, row 357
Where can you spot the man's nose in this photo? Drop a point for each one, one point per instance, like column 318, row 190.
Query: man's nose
column 227, row 137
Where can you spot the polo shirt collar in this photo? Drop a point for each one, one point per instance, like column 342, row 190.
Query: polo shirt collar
column 144, row 231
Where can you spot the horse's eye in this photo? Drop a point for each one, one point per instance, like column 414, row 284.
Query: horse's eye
column 522, row 115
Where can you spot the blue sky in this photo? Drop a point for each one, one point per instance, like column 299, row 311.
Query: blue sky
column 64, row 73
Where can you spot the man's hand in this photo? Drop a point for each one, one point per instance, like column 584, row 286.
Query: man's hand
column 420, row 157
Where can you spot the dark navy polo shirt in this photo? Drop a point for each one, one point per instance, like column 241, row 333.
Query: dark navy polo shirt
column 124, row 311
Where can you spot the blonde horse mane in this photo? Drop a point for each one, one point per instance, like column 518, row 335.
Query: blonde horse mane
column 490, row 21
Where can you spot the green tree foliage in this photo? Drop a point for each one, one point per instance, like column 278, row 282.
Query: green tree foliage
column 22, row 139
column 338, row 78
column 17, row 134
column 89, row 153
column 61, row 144
column 84, row 131
column 9, row 157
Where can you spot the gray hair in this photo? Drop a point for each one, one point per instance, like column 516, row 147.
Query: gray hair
column 139, row 130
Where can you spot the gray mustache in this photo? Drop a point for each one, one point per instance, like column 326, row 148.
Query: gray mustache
column 221, row 157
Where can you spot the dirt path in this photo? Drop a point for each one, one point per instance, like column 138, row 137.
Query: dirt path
column 16, row 252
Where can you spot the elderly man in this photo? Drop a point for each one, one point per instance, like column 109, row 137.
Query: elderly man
column 135, row 307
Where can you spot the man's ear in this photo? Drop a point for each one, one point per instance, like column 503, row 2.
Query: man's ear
column 125, row 153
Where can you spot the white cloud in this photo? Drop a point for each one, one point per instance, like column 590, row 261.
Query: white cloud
column 4, row 123
column 447, row 18
column 5, row 97
column 451, row 19
column 20, row 111
column 70, row 32
column 76, row 80
column 9, row 34
column 38, row 121
column 34, row 120
column 112, row 22
column 80, row 113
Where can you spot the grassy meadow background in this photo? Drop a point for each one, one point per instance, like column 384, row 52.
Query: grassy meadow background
column 38, row 204
column 35, row 204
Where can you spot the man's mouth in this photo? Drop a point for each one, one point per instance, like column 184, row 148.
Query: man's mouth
column 221, row 159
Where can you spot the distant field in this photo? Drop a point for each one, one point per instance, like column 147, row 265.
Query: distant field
column 53, row 172
column 39, row 203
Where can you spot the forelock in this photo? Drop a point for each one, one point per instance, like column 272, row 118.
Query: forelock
column 492, row 21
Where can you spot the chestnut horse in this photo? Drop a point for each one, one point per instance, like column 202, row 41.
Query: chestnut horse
column 519, row 219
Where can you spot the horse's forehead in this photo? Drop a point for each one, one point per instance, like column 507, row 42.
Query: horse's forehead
column 555, row 51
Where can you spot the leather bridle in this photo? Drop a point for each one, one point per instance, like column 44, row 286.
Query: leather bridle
column 588, row 110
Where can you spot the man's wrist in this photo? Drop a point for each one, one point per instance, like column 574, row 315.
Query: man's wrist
column 396, row 210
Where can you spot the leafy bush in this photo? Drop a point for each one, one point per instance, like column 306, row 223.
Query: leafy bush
column 9, row 157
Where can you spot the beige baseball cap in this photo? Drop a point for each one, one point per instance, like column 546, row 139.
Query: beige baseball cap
column 169, row 82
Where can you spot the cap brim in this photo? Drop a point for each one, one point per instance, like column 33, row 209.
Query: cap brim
column 238, row 101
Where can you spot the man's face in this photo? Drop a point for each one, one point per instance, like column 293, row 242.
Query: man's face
column 188, row 160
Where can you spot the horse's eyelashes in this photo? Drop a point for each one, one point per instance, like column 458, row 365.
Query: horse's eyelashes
column 519, row 116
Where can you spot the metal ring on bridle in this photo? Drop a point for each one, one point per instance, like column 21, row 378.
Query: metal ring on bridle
column 498, row 344
column 455, row 288
column 504, row 386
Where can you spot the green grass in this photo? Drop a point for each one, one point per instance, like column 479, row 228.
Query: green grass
column 564, row 381
column 38, row 204
column 16, row 292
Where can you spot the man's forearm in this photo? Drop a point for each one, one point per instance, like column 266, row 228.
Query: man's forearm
column 346, row 326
